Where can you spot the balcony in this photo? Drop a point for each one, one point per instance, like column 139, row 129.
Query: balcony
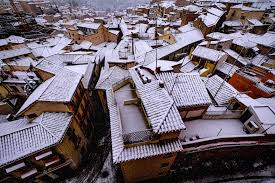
column 134, row 123
column 139, row 137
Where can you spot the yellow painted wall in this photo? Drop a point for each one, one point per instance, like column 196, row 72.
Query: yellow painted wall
column 3, row 92
column 40, row 107
column 67, row 148
column 145, row 169
column 97, row 38
column 171, row 135
column 235, row 14
column 169, row 38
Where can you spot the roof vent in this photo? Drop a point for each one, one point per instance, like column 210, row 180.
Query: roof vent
column 161, row 83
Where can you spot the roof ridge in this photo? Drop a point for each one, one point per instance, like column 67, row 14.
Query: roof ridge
column 47, row 86
column 109, row 74
column 77, row 57
column 120, row 153
column 43, row 126
column 162, row 121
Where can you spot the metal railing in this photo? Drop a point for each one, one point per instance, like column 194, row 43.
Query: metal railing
column 138, row 137
column 223, row 114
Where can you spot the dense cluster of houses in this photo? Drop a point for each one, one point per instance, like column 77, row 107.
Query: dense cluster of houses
column 173, row 78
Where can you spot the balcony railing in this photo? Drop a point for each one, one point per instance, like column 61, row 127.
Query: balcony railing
column 138, row 137
column 227, row 114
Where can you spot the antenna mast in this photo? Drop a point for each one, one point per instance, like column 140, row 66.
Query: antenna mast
column 156, row 38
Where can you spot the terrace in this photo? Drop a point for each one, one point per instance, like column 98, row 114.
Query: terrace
column 211, row 128
column 134, row 124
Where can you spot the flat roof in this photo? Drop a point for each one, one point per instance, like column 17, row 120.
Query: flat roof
column 265, row 114
column 132, row 118
column 207, row 128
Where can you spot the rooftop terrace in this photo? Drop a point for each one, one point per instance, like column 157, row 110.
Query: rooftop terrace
column 132, row 118
column 209, row 128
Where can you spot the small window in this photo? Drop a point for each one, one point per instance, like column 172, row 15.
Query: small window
column 164, row 165
column 247, row 114
column 236, row 106
column 250, row 125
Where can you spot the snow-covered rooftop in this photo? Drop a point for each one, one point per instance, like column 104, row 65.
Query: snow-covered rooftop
column 54, row 46
column 89, row 25
column 187, row 39
column 227, row 68
column 220, row 90
column 5, row 54
column 110, row 77
column 245, row 8
column 244, row 61
column 208, row 54
column 208, row 128
column 187, row 90
column 21, row 138
column 59, row 88
column 122, row 153
column 159, row 106
column 212, row 17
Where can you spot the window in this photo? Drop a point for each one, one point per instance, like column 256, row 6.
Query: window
column 164, row 165
column 236, row 106
column 250, row 125
column 246, row 115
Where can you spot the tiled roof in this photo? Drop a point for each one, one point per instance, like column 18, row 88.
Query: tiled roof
column 237, row 56
column 59, row 88
column 187, row 90
column 220, row 90
column 227, row 68
column 89, row 25
column 64, row 59
column 88, row 76
column 23, row 138
column 111, row 76
column 53, row 48
column 264, row 88
column 149, row 150
column 122, row 153
column 161, row 109
column 5, row 54
column 207, row 53
column 188, row 38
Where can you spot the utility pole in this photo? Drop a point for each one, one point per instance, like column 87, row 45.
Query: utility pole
column 156, row 38
column 133, row 43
